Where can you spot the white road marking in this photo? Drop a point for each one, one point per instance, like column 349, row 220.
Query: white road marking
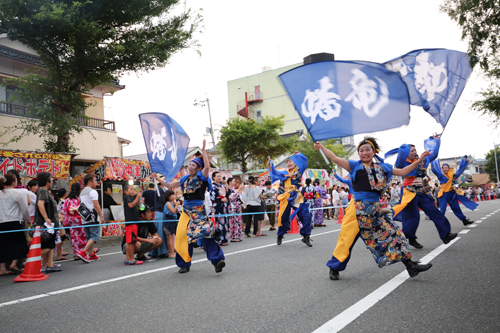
column 350, row 314
column 464, row 231
column 62, row 291
column 472, row 225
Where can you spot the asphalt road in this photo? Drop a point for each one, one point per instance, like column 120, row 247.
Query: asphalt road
column 270, row 288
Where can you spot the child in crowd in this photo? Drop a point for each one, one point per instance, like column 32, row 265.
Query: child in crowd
column 131, row 229
column 169, row 228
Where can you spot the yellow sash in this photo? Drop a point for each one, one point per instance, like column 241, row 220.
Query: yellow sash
column 348, row 232
column 405, row 200
column 446, row 187
column 181, row 238
column 283, row 198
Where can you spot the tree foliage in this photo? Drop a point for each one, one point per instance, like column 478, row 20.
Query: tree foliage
column 316, row 160
column 84, row 44
column 489, row 166
column 246, row 142
column 480, row 23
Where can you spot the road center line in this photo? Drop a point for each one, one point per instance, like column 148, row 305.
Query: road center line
column 350, row 314
column 84, row 286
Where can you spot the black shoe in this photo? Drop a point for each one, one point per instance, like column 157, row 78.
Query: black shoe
column 466, row 221
column 219, row 266
column 449, row 238
column 184, row 270
column 416, row 268
column 280, row 239
column 307, row 240
column 415, row 244
column 334, row 275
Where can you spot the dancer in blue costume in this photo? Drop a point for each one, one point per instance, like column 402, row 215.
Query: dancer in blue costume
column 290, row 181
column 416, row 195
column 381, row 235
column 194, row 225
column 450, row 195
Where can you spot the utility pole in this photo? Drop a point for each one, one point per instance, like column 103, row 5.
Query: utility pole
column 201, row 103
column 496, row 163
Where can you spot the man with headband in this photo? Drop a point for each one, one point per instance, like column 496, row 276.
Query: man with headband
column 194, row 225
column 290, row 180
column 416, row 191
column 450, row 195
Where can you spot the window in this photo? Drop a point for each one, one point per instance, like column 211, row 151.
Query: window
column 259, row 116
column 477, row 169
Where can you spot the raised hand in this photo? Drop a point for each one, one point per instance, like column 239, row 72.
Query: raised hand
column 317, row 145
column 204, row 144
column 424, row 155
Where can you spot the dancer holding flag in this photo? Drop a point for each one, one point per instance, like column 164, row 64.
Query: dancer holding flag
column 381, row 235
column 194, row 224
column 167, row 144
column 416, row 191
column 450, row 195
column 292, row 197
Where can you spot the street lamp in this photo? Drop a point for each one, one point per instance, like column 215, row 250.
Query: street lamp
column 201, row 103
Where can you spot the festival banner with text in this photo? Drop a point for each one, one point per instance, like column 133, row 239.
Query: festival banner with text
column 28, row 164
column 117, row 169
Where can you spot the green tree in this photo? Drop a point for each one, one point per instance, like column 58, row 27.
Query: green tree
column 84, row 44
column 489, row 166
column 246, row 142
column 480, row 23
column 316, row 160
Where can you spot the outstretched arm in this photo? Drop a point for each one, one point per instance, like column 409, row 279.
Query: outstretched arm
column 342, row 162
column 463, row 165
column 436, row 169
column 172, row 184
column 206, row 161
column 406, row 170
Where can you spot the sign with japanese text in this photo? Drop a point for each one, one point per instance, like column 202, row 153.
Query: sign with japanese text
column 117, row 169
column 28, row 164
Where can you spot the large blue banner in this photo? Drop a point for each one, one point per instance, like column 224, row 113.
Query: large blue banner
column 166, row 143
column 435, row 79
column 342, row 98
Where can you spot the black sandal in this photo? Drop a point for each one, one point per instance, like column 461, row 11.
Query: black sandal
column 143, row 258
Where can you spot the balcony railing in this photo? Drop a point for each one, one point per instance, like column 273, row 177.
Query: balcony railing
column 97, row 123
column 21, row 110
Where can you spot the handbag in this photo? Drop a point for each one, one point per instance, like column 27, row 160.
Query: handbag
column 86, row 214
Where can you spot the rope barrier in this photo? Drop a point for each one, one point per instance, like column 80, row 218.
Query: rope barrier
column 134, row 222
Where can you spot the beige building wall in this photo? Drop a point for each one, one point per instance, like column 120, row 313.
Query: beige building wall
column 275, row 101
column 96, row 110
column 105, row 143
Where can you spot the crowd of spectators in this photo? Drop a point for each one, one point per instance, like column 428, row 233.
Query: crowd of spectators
column 151, row 216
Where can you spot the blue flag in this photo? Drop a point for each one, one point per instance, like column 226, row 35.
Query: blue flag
column 435, row 79
column 166, row 143
column 342, row 98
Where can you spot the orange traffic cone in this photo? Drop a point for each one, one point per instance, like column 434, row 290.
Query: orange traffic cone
column 32, row 270
column 475, row 198
column 294, row 227
column 341, row 215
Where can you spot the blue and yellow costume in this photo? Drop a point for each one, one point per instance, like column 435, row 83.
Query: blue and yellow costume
column 292, row 196
column 416, row 191
column 194, row 225
column 381, row 235
column 349, row 233
column 450, row 195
